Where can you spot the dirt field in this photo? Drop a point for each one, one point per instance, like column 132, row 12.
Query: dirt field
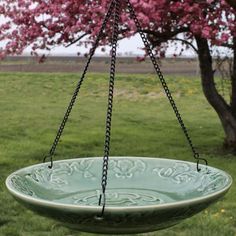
column 99, row 64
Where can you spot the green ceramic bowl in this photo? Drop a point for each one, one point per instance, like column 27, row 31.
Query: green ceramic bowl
column 143, row 194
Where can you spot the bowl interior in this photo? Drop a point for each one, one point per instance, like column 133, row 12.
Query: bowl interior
column 132, row 181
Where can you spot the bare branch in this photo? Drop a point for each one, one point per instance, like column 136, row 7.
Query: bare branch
column 164, row 36
column 186, row 42
column 76, row 40
column 156, row 38
column 227, row 45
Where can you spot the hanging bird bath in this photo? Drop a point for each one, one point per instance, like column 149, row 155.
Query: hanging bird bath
column 143, row 194
column 136, row 195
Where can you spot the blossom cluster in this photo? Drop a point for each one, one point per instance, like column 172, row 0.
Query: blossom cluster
column 43, row 24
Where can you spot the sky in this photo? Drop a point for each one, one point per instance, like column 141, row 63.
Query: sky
column 130, row 46
column 126, row 47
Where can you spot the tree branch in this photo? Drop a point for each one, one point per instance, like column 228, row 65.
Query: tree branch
column 156, row 38
column 227, row 45
column 76, row 40
column 187, row 42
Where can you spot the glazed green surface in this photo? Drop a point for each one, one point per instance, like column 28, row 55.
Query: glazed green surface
column 32, row 106
column 133, row 181
column 162, row 190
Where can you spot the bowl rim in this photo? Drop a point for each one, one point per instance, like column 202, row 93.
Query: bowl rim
column 72, row 207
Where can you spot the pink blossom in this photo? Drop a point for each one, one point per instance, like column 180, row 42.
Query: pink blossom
column 44, row 24
column 225, row 37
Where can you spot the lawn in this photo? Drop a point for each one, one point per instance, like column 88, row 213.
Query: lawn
column 32, row 106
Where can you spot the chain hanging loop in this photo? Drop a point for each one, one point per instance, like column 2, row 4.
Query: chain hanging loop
column 80, row 82
column 115, row 33
column 164, row 84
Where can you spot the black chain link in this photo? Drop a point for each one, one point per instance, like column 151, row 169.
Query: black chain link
column 116, row 5
column 102, row 199
column 73, row 99
column 164, row 85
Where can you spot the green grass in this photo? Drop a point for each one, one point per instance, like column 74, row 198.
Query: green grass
column 32, row 106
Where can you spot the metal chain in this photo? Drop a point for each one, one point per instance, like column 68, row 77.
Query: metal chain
column 164, row 84
column 102, row 199
column 116, row 5
column 73, row 99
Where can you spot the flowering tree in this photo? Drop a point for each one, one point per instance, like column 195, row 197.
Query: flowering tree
column 44, row 24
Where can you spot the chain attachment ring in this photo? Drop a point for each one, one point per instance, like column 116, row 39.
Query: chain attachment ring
column 198, row 158
column 50, row 158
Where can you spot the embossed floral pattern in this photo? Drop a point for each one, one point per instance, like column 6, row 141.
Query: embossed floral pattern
column 119, row 197
column 21, row 185
column 179, row 173
column 182, row 173
column 211, row 182
column 84, row 167
column 126, row 168
column 48, row 176
column 60, row 172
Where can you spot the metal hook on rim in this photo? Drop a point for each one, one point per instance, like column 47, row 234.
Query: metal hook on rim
column 102, row 201
column 198, row 158
column 51, row 161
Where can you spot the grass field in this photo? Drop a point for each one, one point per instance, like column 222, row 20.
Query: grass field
column 32, row 106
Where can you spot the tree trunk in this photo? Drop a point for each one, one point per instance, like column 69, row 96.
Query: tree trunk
column 225, row 112
column 233, row 82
